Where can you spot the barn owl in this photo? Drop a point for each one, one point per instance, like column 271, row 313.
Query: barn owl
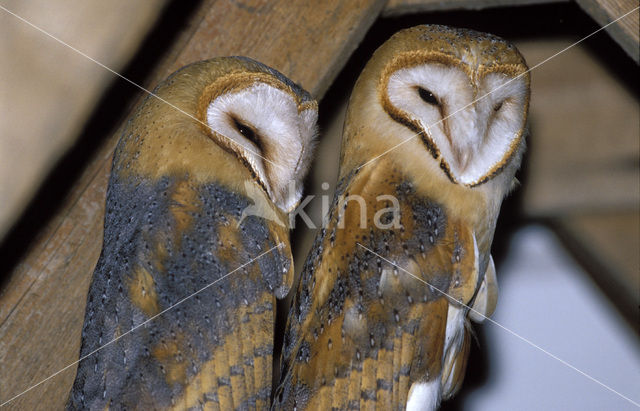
column 218, row 137
column 433, row 136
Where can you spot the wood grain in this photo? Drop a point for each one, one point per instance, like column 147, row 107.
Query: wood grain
column 626, row 31
column 400, row 7
column 37, row 129
column 42, row 306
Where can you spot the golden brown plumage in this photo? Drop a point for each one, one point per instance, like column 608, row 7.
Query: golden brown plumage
column 186, row 168
column 363, row 332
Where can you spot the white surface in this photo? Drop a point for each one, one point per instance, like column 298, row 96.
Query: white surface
column 547, row 299
column 423, row 396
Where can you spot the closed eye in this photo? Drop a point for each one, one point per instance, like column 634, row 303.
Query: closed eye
column 498, row 106
column 428, row 97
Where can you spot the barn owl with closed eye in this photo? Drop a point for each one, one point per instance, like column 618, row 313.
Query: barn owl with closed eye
column 436, row 121
column 194, row 278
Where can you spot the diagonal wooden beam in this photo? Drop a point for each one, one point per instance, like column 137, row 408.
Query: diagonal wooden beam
column 36, row 130
column 42, row 305
column 625, row 31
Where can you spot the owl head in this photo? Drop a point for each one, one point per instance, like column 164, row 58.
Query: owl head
column 464, row 95
column 230, row 120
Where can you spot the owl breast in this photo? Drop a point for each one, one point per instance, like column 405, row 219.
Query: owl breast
column 377, row 322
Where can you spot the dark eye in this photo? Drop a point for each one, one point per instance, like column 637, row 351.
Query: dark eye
column 498, row 106
column 428, row 97
column 245, row 130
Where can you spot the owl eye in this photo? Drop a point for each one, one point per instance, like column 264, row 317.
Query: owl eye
column 246, row 131
column 498, row 106
column 428, row 97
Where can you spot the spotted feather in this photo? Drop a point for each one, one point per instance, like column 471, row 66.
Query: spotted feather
column 181, row 309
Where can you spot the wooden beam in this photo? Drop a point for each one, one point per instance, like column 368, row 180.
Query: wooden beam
column 401, row 7
column 626, row 31
column 42, row 306
column 48, row 91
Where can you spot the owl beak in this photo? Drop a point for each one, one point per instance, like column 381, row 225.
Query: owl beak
column 290, row 198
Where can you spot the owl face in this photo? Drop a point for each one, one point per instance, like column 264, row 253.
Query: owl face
column 464, row 93
column 228, row 119
column 269, row 127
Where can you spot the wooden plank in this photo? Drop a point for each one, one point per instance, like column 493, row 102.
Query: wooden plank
column 307, row 41
column 626, row 31
column 42, row 306
column 55, row 272
column 42, row 248
column 583, row 151
column 401, row 7
column 37, row 129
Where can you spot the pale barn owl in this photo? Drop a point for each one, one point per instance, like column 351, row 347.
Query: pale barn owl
column 222, row 135
column 380, row 317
